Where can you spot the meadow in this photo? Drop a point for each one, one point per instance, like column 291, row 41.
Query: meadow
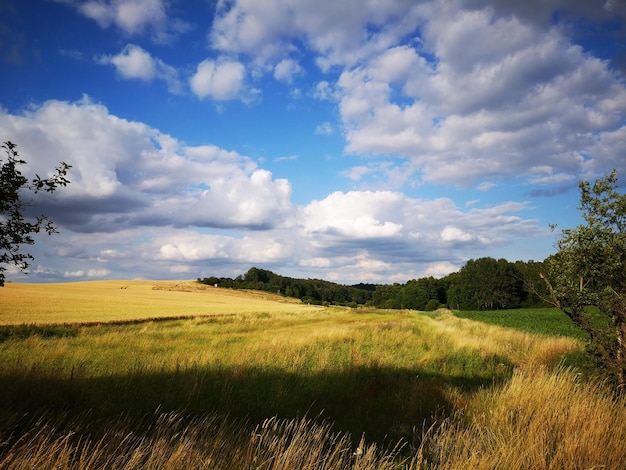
column 198, row 377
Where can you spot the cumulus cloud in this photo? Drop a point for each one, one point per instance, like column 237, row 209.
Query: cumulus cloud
column 133, row 62
column 219, row 80
column 523, row 94
column 517, row 100
column 393, row 230
column 286, row 70
column 128, row 174
column 142, row 202
column 133, row 16
column 336, row 31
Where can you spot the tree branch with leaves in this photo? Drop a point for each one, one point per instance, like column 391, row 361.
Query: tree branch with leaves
column 16, row 229
column 586, row 278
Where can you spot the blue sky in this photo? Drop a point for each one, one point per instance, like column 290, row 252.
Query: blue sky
column 350, row 140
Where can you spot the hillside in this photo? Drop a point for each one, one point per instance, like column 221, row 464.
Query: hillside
column 106, row 301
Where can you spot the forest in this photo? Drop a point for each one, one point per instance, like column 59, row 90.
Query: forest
column 481, row 284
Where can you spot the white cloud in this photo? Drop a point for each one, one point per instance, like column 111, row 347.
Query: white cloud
column 455, row 234
column 78, row 273
column 127, row 174
column 353, row 215
column 98, row 273
column 336, row 31
column 323, row 91
column 518, row 99
column 133, row 62
column 193, row 247
column 134, row 17
column 316, row 262
column 441, row 269
column 384, row 174
column 357, row 172
column 221, row 80
column 486, row 186
column 286, row 70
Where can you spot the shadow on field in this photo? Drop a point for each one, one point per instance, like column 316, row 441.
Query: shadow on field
column 384, row 403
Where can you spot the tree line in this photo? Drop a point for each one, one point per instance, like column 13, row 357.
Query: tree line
column 481, row 284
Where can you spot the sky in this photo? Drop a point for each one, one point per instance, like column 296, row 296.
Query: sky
column 346, row 140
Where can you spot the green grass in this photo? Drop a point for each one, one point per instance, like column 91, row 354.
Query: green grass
column 545, row 321
column 372, row 374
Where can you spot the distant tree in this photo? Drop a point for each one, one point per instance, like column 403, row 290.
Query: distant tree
column 15, row 228
column 586, row 278
column 486, row 284
column 534, row 291
column 418, row 293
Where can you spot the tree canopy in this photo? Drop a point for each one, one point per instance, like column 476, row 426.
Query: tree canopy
column 16, row 229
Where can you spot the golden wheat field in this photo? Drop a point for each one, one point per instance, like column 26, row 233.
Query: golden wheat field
column 106, row 301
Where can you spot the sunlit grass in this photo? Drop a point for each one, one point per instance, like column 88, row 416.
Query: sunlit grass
column 106, row 301
column 332, row 388
column 537, row 420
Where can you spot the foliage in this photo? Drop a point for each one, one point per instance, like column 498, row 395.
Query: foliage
column 15, row 228
column 312, row 291
column 486, row 284
column 586, row 279
column 481, row 284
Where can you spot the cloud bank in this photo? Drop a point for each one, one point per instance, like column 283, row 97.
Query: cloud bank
column 465, row 96
column 141, row 197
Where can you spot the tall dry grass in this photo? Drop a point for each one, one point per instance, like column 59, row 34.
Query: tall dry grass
column 539, row 420
column 212, row 443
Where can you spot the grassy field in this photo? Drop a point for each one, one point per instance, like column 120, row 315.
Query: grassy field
column 105, row 301
column 290, row 386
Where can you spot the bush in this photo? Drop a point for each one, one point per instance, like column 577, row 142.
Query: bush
column 432, row 305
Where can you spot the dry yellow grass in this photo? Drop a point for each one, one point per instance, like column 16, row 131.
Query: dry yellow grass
column 105, row 301
column 539, row 420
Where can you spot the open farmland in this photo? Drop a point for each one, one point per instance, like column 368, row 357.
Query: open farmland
column 292, row 386
column 106, row 301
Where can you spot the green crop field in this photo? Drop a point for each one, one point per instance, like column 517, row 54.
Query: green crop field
column 548, row 321
column 245, row 380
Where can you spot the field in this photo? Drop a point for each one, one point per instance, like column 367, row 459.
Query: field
column 105, row 301
column 550, row 321
column 245, row 380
